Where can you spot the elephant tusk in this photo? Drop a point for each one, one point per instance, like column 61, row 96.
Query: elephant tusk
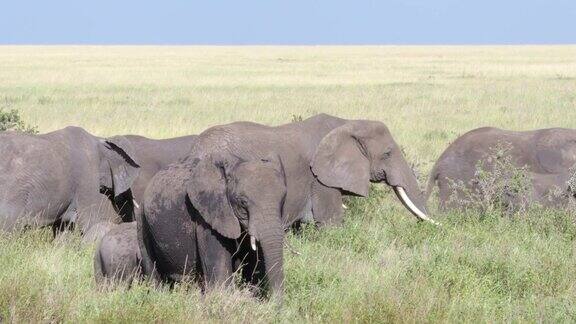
column 253, row 242
column 344, row 206
column 135, row 203
column 410, row 205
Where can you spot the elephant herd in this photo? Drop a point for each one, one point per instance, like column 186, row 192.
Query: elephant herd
column 211, row 205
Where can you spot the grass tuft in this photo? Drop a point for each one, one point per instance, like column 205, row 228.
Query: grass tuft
column 381, row 265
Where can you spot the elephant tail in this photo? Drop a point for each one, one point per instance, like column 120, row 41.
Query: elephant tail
column 146, row 262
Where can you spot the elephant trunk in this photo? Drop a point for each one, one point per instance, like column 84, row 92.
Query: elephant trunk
column 405, row 185
column 266, row 227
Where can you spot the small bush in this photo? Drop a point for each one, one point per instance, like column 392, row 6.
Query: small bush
column 11, row 120
column 498, row 185
column 566, row 194
column 296, row 118
column 572, row 191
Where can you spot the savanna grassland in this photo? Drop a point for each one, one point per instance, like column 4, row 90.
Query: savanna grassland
column 382, row 265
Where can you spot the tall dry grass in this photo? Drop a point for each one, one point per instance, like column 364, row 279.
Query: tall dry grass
column 381, row 266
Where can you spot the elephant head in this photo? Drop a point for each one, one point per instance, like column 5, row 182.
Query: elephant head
column 359, row 152
column 118, row 167
column 236, row 197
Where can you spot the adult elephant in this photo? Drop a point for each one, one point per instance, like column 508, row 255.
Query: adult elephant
column 59, row 177
column 548, row 155
column 323, row 157
column 152, row 155
column 204, row 217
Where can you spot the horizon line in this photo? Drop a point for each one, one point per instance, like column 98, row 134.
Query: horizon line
column 287, row 44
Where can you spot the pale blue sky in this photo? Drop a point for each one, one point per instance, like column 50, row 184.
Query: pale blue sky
column 288, row 22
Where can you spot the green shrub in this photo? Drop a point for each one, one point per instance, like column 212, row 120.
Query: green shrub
column 566, row 193
column 11, row 120
column 296, row 118
column 498, row 185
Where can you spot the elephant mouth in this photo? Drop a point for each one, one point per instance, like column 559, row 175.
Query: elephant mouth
column 379, row 177
column 407, row 202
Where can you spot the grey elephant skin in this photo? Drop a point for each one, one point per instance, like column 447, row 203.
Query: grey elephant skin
column 323, row 158
column 117, row 258
column 153, row 155
column 549, row 154
column 59, row 177
column 203, row 218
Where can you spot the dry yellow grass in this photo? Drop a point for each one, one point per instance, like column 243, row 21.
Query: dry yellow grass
column 419, row 92
column 379, row 266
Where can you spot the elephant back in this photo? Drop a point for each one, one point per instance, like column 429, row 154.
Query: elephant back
column 166, row 229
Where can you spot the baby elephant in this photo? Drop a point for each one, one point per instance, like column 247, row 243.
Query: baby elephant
column 117, row 256
column 547, row 157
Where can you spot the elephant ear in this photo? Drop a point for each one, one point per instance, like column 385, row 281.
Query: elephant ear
column 118, row 166
column 340, row 160
column 207, row 193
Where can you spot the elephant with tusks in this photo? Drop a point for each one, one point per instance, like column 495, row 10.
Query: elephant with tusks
column 244, row 184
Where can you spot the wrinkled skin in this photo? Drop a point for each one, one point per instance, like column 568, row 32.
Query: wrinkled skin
column 58, row 178
column 153, row 155
column 199, row 216
column 323, row 157
column 548, row 153
column 117, row 257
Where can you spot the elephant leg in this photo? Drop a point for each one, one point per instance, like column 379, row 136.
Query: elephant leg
column 93, row 216
column 60, row 226
column 19, row 215
column 215, row 257
column 12, row 219
column 326, row 205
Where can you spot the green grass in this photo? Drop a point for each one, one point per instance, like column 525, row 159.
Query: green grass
column 381, row 266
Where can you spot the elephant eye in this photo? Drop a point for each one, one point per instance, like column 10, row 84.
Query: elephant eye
column 243, row 203
column 242, row 215
column 240, row 200
column 386, row 154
